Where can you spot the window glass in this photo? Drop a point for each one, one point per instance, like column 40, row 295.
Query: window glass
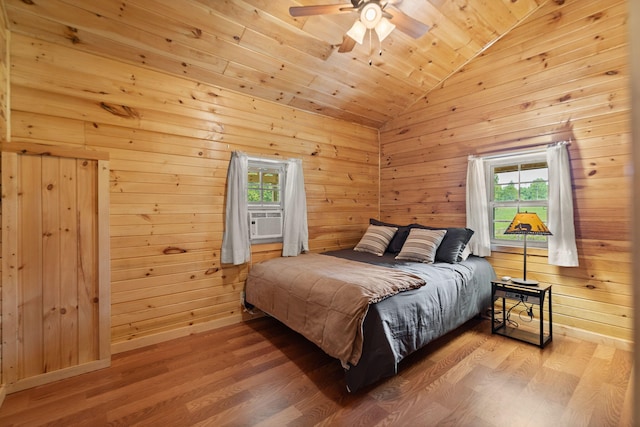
column 264, row 185
column 518, row 184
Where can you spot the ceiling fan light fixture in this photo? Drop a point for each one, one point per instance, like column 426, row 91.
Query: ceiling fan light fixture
column 384, row 28
column 371, row 15
column 357, row 32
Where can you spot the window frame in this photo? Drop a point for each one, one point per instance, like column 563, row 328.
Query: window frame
column 515, row 159
column 281, row 167
column 263, row 164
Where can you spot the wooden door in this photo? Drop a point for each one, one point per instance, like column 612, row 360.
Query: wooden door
column 55, row 264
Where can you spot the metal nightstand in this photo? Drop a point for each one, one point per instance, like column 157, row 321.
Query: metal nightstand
column 527, row 297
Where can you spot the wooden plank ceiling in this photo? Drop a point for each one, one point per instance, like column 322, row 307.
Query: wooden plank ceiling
column 257, row 48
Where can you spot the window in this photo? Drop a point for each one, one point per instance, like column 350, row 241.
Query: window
column 265, row 185
column 518, row 183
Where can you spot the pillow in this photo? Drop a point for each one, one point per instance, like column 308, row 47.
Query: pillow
column 395, row 245
column 452, row 245
column 421, row 245
column 376, row 239
column 465, row 253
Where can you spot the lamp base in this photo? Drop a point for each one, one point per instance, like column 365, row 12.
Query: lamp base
column 525, row 282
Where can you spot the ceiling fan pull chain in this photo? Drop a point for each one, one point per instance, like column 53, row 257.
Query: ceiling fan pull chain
column 370, row 49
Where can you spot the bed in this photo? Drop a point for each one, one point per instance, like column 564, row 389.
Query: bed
column 326, row 298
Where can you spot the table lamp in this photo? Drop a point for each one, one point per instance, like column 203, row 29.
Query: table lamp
column 527, row 223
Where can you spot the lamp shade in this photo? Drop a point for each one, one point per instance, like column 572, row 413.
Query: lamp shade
column 384, row 28
column 357, row 31
column 527, row 223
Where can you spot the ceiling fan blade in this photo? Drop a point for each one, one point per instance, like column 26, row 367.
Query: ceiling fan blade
column 407, row 24
column 325, row 9
column 347, row 44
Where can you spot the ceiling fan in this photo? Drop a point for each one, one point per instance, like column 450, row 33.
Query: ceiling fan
column 373, row 17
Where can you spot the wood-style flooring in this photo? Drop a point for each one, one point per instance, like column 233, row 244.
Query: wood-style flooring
column 260, row 373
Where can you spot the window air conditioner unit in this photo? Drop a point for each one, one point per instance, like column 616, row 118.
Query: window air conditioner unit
column 265, row 224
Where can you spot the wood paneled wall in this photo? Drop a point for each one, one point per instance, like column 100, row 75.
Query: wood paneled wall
column 563, row 74
column 55, row 286
column 4, row 74
column 169, row 140
column 4, row 131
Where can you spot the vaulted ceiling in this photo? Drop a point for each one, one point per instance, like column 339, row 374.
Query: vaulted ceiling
column 257, row 48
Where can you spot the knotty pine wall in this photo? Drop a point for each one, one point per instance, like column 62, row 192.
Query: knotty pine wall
column 169, row 140
column 4, row 75
column 563, row 74
column 4, row 129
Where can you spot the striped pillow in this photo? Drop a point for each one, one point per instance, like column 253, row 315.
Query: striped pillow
column 421, row 245
column 376, row 239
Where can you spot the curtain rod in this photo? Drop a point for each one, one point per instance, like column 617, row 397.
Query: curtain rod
column 265, row 159
column 526, row 149
column 272, row 159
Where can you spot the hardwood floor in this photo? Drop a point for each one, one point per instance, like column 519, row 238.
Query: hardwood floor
column 262, row 374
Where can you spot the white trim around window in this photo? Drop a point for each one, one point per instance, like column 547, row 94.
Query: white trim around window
column 522, row 181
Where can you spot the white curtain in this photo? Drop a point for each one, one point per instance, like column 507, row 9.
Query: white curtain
column 562, row 244
column 236, row 246
column 295, row 232
column 477, row 208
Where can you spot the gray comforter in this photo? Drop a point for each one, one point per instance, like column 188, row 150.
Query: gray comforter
column 400, row 325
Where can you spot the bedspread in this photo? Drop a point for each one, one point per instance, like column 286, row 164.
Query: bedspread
column 325, row 298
